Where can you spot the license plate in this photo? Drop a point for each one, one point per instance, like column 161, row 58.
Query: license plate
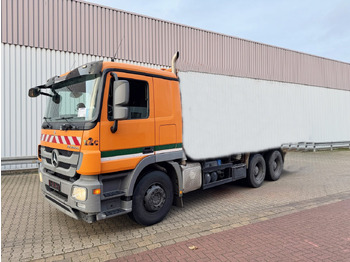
column 54, row 185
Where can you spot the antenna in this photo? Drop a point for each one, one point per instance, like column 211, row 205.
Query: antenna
column 72, row 65
column 115, row 55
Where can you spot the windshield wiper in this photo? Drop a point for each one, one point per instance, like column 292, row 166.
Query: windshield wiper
column 48, row 125
column 66, row 126
column 64, row 118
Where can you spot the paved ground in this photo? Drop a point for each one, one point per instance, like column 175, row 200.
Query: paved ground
column 317, row 234
column 32, row 230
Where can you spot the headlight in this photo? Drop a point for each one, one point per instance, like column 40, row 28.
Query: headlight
column 79, row 193
column 40, row 177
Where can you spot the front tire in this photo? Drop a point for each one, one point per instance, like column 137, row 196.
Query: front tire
column 274, row 165
column 256, row 171
column 153, row 197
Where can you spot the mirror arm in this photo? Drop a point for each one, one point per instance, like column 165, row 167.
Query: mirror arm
column 45, row 94
column 114, row 128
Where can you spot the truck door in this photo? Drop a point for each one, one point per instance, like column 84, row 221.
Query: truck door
column 135, row 137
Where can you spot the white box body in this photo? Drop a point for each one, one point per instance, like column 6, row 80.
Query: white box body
column 225, row 115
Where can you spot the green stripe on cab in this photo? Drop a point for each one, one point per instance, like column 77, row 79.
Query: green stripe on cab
column 122, row 152
column 166, row 147
column 139, row 150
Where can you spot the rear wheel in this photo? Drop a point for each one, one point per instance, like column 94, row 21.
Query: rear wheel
column 153, row 197
column 256, row 171
column 274, row 165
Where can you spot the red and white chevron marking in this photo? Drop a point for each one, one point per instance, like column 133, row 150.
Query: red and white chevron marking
column 66, row 140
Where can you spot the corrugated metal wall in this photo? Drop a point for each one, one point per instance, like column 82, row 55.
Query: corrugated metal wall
column 22, row 68
column 84, row 28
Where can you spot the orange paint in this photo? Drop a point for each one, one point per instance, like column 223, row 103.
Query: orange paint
column 162, row 126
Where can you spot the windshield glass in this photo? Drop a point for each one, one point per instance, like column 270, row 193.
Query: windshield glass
column 77, row 100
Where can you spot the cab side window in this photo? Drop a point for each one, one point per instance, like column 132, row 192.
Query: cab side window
column 138, row 100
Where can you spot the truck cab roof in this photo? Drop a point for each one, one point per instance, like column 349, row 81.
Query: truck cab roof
column 121, row 67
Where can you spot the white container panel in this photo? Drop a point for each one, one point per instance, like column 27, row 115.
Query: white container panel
column 225, row 115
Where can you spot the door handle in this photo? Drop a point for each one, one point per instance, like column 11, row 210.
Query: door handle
column 148, row 150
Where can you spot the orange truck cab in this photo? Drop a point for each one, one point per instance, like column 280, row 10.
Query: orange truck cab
column 111, row 144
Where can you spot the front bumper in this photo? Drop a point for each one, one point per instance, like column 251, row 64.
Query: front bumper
column 62, row 199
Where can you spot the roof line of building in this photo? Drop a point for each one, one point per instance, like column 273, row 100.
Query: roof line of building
column 207, row 31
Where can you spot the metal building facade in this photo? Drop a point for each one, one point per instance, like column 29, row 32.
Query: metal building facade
column 42, row 38
column 24, row 67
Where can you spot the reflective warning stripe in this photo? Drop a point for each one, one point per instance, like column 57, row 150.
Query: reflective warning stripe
column 65, row 140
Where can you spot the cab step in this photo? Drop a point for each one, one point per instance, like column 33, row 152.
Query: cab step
column 111, row 213
column 118, row 211
column 113, row 194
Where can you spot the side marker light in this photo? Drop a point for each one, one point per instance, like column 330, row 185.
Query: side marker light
column 96, row 191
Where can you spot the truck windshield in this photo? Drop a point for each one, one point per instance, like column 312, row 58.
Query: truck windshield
column 77, row 100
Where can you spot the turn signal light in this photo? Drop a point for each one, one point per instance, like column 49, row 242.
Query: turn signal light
column 96, row 191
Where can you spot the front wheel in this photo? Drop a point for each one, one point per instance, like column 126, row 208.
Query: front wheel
column 256, row 171
column 153, row 197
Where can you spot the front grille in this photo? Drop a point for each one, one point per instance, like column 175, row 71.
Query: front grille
column 64, row 165
column 61, row 151
column 67, row 163
column 60, row 164
column 70, row 179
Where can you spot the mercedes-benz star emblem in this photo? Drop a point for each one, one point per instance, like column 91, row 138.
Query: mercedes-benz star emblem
column 54, row 158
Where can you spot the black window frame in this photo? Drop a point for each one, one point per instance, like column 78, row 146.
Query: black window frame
column 110, row 98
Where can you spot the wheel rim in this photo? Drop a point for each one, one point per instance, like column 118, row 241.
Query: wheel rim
column 258, row 172
column 154, row 198
column 276, row 164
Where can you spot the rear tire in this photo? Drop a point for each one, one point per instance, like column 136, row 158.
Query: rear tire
column 274, row 165
column 152, row 200
column 256, row 171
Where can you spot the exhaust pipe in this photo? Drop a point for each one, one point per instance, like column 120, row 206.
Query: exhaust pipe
column 173, row 62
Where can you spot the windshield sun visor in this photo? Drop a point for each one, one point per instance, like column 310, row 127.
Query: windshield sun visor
column 92, row 68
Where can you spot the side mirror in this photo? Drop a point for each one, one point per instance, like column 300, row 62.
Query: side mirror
column 34, row 92
column 121, row 92
column 120, row 113
column 56, row 98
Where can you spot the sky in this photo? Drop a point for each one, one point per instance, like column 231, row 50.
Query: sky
column 318, row 27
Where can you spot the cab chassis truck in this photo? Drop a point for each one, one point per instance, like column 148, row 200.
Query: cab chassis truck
column 112, row 144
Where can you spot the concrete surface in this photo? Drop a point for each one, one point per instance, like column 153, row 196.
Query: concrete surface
column 33, row 230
